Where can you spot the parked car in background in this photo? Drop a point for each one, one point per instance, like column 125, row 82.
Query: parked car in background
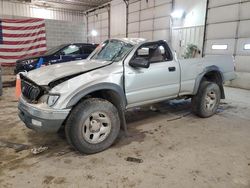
column 59, row 54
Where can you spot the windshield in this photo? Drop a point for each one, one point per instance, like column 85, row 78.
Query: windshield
column 112, row 50
column 54, row 49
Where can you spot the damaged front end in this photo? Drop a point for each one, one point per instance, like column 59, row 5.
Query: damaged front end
column 30, row 90
column 35, row 107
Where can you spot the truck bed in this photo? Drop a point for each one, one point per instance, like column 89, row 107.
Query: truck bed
column 191, row 69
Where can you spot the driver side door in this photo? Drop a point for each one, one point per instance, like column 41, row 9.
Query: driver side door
column 160, row 81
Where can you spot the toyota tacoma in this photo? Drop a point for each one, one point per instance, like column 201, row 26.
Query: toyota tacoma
column 88, row 98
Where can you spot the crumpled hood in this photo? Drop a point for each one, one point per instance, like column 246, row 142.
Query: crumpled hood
column 45, row 75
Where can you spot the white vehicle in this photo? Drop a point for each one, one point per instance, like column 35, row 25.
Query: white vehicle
column 89, row 97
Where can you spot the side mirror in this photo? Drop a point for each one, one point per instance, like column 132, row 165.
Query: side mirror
column 139, row 63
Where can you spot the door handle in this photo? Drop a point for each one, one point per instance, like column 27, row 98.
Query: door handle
column 172, row 69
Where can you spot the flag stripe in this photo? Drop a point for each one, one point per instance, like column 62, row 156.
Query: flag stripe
column 22, row 24
column 21, row 49
column 23, row 39
column 23, row 28
column 20, row 38
column 32, row 52
column 24, row 34
column 23, row 31
column 22, row 45
column 22, row 20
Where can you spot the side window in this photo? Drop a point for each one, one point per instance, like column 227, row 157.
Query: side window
column 157, row 54
column 153, row 53
column 71, row 50
column 87, row 49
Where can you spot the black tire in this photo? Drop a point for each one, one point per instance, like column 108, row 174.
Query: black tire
column 75, row 128
column 199, row 101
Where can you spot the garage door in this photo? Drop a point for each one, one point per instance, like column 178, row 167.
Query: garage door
column 228, row 32
column 149, row 19
column 98, row 25
column 183, row 36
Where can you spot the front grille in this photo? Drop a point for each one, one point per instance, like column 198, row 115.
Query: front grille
column 30, row 91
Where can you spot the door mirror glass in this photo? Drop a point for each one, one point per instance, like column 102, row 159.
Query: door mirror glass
column 139, row 62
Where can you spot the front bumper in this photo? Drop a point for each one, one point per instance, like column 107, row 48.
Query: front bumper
column 41, row 118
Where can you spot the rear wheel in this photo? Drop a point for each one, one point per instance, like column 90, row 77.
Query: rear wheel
column 93, row 126
column 207, row 100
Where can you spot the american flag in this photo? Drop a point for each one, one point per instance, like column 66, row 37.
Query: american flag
column 20, row 38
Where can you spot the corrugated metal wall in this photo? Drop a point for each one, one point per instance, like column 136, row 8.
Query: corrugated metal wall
column 182, row 36
column 63, row 32
column 228, row 32
column 99, row 21
column 118, row 19
column 12, row 10
column 150, row 19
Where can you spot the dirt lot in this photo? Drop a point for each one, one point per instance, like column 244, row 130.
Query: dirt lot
column 178, row 149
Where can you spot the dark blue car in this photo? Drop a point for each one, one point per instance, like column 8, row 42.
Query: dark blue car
column 59, row 54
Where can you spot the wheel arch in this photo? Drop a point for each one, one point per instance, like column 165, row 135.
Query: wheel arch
column 108, row 91
column 212, row 74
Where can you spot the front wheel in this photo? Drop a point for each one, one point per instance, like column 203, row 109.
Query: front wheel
column 92, row 126
column 207, row 100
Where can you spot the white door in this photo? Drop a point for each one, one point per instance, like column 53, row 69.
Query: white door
column 160, row 81
column 228, row 33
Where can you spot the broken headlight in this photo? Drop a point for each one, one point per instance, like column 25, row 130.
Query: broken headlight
column 52, row 99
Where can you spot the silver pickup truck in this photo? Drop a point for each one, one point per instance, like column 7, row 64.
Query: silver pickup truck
column 88, row 98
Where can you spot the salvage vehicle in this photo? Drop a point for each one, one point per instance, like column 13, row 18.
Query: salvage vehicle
column 59, row 54
column 90, row 97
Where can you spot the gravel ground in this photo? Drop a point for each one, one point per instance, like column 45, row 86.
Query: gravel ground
column 178, row 150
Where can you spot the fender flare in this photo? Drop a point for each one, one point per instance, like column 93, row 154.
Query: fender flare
column 201, row 76
column 98, row 87
column 104, row 86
